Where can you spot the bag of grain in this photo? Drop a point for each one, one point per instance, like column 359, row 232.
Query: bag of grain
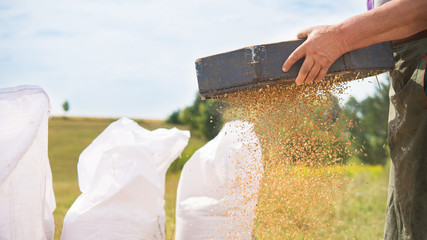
column 26, row 193
column 122, row 180
column 217, row 191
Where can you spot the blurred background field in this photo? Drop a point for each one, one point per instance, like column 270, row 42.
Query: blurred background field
column 360, row 213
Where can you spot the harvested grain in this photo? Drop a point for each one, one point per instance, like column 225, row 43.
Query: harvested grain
column 304, row 141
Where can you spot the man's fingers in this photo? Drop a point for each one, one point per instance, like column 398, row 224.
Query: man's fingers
column 293, row 58
column 321, row 75
column 313, row 73
column 305, row 69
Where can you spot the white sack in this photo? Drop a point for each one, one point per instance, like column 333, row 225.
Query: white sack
column 217, row 191
column 122, row 180
column 26, row 193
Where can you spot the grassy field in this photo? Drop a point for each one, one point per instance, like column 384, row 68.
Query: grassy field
column 360, row 214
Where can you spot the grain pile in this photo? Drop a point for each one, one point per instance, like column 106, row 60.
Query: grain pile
column 303, row 136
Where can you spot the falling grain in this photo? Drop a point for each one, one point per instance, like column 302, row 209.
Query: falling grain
column 304, row 141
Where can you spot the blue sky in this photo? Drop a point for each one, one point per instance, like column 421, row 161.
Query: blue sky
column 135, row 58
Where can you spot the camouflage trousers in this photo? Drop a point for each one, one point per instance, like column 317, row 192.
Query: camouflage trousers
column 406, row 216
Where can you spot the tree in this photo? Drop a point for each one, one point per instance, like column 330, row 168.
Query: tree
column 66, row 106
column 202, row 116
column 209, row 120
column 174, row 118
column 369, row 132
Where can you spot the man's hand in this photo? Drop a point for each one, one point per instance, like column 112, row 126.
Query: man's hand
column 323, row 46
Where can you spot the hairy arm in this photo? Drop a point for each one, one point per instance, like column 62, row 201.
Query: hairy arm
column 394, row 20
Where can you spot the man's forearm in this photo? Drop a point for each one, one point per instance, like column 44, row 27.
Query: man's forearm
column 394, row 20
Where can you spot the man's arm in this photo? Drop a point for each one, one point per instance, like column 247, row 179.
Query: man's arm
column 394, row 20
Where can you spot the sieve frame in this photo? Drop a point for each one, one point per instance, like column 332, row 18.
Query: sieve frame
column 261, row 65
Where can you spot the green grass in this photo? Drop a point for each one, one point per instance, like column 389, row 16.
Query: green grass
column 172, row 180
column 360, row 214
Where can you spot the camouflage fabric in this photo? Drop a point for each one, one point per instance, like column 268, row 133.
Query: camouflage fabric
column 406, row 216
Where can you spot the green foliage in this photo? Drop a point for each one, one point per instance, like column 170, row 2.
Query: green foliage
column 202, row 116
column 66, row 106
column 174, row 118
column 369, row 132
column 209, row 121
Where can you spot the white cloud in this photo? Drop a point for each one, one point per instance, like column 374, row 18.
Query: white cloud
column 136, row 58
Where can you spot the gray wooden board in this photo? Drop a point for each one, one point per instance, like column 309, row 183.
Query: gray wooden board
column 261, row 65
